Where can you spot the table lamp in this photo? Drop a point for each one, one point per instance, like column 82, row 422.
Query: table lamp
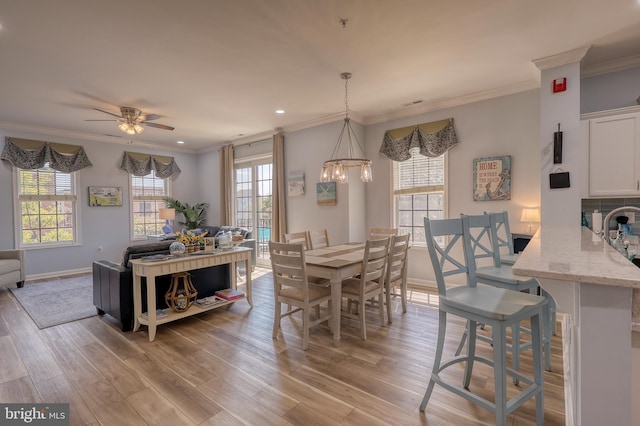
column 530, row 215
column 167, row 214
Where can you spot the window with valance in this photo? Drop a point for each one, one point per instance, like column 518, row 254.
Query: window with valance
column 31, row 155
column 432, row 140
column 139, row 164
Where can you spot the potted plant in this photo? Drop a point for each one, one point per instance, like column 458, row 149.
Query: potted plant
column 194, row 216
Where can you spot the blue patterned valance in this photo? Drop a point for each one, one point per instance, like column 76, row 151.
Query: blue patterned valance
column 433, row 139
column 139, row 164
column 29, row 155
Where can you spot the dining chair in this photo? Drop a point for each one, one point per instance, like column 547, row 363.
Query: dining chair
column 478, row 303
column 369, row 284
column 291, row 286
column 382, row 232
column 483, row 243
column 504, row 239
column 396, row 271
column 298, row 238
column 318, row 239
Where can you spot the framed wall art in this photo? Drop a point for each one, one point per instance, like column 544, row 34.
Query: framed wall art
column 492, row 178
column 295, row 184
column 326, row 194
column 103, row 196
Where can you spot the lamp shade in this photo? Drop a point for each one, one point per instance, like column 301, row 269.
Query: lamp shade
column 530, row 215
column 167, row 214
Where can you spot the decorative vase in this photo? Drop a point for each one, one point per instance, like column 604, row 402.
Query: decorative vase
column 177, row 248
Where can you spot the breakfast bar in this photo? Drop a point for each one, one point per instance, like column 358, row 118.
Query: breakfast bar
column 592, row 285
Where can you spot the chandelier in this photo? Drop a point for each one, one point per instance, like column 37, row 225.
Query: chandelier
column 337, row 169
column 131, row 118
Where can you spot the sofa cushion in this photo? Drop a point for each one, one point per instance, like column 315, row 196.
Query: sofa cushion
column 147, row 249
column 9, row 265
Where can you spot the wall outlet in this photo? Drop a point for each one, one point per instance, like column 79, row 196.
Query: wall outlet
column 631, row 216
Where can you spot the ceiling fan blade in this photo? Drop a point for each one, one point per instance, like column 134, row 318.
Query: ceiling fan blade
column 103, row 120
column 107, row 112
column 149, row 117
column 159, row 126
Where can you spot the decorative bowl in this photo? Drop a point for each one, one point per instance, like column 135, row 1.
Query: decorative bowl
column 177, row 248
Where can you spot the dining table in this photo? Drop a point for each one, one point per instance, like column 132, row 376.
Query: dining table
column 335, row 263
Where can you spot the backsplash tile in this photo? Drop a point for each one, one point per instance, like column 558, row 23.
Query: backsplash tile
column 606, row 205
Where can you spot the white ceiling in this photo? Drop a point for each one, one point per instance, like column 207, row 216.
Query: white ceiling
column 217, row 69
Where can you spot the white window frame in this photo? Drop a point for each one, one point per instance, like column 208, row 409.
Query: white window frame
column 428, row 189
column 152, row 198
column 19, row 198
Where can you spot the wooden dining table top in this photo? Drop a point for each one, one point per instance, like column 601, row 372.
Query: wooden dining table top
column 337, row 256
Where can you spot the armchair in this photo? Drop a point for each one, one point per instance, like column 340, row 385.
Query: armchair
column 12, row 267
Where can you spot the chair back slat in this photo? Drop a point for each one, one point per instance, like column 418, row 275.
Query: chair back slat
column 503, row 232
column 298, row 238
column 376, row 233
column 318, row 239
column 455, row 256
column 288, row 267
column 397, row 258
column 375, row 259
column 482, row 237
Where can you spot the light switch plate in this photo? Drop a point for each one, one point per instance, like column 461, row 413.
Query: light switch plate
column 631, row 216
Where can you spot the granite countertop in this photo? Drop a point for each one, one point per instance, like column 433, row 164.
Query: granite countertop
column 575, row 253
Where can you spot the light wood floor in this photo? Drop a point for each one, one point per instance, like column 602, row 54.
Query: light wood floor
column 223, row 368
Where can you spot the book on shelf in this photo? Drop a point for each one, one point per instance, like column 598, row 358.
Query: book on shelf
column 160, row 313
column 207, row 302
column 229, row 294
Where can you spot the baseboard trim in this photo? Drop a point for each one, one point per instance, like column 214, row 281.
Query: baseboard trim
column 58, row 274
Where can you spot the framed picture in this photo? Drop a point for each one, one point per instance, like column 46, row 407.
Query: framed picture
column 102, row 196
column 295, row 185
column 492, row 178
column 326, row 193
column 209, row 243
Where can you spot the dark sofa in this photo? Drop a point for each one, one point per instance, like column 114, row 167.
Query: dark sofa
column 113, row 283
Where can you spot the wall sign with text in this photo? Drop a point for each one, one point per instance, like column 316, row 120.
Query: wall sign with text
column 492, row 178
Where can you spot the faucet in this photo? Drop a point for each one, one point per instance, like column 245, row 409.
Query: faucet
column 607, row 219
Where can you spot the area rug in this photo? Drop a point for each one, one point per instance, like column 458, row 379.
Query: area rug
column 57, row 301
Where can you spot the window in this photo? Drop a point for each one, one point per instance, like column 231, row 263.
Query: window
column 147, row 193
column 418, row 191
column 47, row 207
column 253, row 201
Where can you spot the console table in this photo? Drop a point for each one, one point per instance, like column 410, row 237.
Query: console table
column 150, row 270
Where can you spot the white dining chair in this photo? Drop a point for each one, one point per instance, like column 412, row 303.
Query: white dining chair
column 291, row 286
column 477, row 303
column 318, row 239
column 396, row 271
column 369, row 284
column 301, row 237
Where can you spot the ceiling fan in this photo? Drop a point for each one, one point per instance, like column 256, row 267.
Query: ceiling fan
column 132, row 120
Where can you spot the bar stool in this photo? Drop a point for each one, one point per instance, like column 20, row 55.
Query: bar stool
column 477, row 303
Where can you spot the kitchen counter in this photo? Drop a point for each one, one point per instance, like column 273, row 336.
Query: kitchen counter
column 592, row 285
column 576, row 254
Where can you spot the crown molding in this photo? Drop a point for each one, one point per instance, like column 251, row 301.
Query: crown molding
column 609, row 112
column 564, row 58
column 453, row 102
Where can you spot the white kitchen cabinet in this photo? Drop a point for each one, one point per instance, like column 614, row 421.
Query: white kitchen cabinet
column 614, row 155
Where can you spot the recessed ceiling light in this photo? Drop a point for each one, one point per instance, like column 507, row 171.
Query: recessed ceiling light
column 181, row 142
column 279, row 111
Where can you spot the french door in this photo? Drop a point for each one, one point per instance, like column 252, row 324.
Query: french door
column 253, row 202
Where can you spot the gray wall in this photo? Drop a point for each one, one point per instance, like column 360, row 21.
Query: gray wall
column 608, row 91
column 106, row 227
